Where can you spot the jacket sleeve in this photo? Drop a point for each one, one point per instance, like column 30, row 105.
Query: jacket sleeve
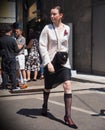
column 43, row 46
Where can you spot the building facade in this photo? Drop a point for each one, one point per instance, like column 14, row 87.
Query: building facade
column 88, row 28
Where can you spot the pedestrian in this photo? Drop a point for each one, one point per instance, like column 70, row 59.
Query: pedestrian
column 33, row 60
column 20, row 39
column 54, row 37
column 8, row 52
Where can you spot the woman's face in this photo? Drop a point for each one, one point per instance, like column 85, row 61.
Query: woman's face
column 55, row 15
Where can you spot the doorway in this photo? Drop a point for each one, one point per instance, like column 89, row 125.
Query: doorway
column 98, row 43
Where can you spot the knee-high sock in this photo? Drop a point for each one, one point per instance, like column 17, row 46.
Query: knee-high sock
column 45, row 99
column 68, row 103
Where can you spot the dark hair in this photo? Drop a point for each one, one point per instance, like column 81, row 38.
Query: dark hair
column 5, row 27
column 17, row 25
column 58, row 8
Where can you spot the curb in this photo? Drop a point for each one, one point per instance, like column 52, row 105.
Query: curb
column 26, row 90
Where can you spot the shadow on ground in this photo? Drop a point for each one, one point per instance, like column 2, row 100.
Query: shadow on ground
column 102, row 113
column 34, row 113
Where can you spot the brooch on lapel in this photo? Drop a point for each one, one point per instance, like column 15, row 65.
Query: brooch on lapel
column 65, row 32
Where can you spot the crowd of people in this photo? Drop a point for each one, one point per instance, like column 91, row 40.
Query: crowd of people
column 18, row 59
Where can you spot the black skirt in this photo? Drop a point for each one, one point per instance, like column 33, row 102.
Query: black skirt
column 61, row 75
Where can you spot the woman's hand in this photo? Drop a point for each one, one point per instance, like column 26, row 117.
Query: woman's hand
column 51, row 68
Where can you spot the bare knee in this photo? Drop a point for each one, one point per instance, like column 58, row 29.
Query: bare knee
column 67, row 86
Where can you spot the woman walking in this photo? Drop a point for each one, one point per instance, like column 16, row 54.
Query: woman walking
column 54, row 38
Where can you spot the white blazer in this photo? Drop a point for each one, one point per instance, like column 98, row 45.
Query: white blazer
column 48, row 44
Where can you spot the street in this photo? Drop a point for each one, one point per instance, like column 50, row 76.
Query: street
column 22, row 111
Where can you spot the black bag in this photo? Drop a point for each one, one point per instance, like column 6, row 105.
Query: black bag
column 61, row 57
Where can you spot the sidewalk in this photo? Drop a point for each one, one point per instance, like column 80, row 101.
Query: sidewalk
column 91, row 78
column 79, row 82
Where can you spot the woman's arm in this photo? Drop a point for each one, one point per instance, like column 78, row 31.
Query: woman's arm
column 43, row 46
column 29, row 44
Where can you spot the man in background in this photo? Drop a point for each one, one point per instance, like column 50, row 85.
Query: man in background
column 8, row 50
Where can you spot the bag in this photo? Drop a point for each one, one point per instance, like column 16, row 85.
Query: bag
column 61, row 57
column 25, row 52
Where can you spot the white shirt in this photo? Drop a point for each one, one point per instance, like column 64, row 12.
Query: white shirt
column 48, row 43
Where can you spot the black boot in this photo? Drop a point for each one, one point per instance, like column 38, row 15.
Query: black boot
column 67, row 117
column 45, row 104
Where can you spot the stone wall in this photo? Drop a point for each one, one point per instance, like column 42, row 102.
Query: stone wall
column 79, row 14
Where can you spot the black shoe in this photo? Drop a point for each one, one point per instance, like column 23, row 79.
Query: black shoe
column 70, row 123
column 34, row 80
column 3, row 88
column 44, row 111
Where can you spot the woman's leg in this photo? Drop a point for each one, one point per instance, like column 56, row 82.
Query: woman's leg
column 46, row 93
column 35, row 75
column 28, row 75
column 24, row 79
column 41, row 72
column 68, row 104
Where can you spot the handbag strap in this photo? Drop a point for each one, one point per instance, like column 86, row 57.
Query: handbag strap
column 59, row 45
